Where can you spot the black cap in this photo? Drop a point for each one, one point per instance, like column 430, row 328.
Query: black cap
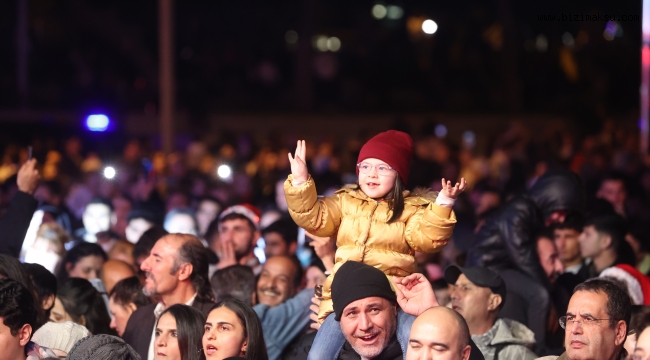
column 479, row 276
column 354, row 281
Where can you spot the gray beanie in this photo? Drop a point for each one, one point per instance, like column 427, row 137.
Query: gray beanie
column 102, row 347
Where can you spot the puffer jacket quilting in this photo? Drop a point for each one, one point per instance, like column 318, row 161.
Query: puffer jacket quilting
column 362, row 233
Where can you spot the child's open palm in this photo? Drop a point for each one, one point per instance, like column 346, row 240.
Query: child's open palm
column 452, row 191
column 298, row 163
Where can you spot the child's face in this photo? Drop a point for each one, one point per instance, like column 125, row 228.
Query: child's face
column 374, row 185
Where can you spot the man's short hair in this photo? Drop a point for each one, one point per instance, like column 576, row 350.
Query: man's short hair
column 193, row 252
column 573, row 221
column 619, row 304
column 613, row 225
column 16, row 306
column 234, row 282
column 287, row 229
column 101, row 201
column 614, row 176
column 128, row 291
column 235, row 216
column 142, row 213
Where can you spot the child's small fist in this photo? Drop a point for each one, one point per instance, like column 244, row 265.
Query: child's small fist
column 452, row 191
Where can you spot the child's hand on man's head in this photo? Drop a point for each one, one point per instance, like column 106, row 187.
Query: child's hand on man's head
column 452, row 191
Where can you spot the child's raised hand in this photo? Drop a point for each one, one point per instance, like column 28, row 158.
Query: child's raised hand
column 298, row 164
column 452, row 191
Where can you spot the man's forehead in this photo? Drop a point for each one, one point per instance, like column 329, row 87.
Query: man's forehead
column 365, row 302
column 280, row 265
column 591, row 302
column 230, row 223
column 166, row 245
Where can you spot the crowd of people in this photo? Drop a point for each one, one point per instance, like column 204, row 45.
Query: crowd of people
column 537, row 251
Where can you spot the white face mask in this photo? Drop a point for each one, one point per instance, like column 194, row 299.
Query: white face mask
column 47, row 259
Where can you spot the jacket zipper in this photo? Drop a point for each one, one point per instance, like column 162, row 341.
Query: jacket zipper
column 363, row 251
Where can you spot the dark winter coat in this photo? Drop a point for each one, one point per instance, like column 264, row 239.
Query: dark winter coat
column 507, row 239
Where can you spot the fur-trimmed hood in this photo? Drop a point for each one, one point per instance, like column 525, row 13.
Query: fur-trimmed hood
column 419, row 195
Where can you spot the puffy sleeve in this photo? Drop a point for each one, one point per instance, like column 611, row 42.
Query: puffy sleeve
column 430, row 228
column 320, row 217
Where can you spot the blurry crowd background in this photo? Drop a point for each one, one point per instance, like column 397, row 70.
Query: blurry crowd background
column 204, row 177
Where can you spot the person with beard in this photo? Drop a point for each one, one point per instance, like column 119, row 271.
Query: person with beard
column 366, row 308
column 507, row 245
column 283, row 309
column 177, row 273
column 238, row 235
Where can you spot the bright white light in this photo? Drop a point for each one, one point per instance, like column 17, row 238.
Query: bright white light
column 395, row 12
column 567, row 39
column 109, row 172
column 441, row 130
column 429, row 26
column 541, row 43
column 379, row 11
column 224, row 171
column 333, row 44
column 291, row 37
column 97, row 122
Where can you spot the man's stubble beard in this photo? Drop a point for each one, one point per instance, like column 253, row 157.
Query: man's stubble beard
column 368, row 354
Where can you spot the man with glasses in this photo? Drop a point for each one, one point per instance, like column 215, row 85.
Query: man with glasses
column 596, row 322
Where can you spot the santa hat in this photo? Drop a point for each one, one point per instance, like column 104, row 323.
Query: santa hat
column 249, row 211
column 638, row 285
column 643, row 280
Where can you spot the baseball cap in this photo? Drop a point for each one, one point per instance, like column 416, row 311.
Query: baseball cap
column 479, row 276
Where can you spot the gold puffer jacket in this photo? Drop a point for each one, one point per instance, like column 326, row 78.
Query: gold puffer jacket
column 359, row 224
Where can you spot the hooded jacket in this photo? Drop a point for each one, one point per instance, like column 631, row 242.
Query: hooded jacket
column 363, row 234
column 514, row 338
column 507, row 239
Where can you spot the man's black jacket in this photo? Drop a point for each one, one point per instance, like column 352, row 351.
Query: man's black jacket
column 507, row 240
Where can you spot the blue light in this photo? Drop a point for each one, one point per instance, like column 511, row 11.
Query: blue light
column 97, row 122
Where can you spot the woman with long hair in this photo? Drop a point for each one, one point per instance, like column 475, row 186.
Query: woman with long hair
column 78, row 301
column 233, row 330
column 178, row 334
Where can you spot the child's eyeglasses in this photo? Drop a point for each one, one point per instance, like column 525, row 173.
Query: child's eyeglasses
column 382, row 170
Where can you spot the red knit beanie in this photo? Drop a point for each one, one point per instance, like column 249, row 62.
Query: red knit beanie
column 395, row 148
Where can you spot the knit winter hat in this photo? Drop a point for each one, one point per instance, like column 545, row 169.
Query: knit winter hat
column 60, row 336
column 102, row 347
column 354, row 281
column 393, row 147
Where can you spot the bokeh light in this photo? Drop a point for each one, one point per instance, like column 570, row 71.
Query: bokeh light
column 394, row 12
column 97, row 122
column 333, row 44
column 109, row 172
column 379, row 11
column 429, row 26
column 224, row 171
column 291, row 37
